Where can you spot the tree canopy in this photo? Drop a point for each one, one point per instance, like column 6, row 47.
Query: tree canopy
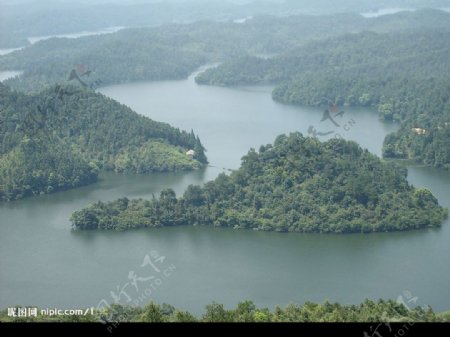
column 246, row 311
column 61, row 137
column 404, row 75
column 173, row 51
column 298, row 184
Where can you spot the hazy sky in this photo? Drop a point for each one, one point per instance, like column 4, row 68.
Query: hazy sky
column 385, row 3
column 128, row 1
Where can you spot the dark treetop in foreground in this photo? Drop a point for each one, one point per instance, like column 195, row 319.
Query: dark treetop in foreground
column 61, row 137
column 246, row 311
column 298, row 184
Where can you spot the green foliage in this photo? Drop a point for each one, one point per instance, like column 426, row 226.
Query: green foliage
column 30, row 170
column 68, row 17
column 368, row 311
column 154, row 156
column 176, row 50
column 297, row 185
column 374, row 56
column 384, row 71
column 61, row 137
column 152, row 313
column 114, row 58
column 381, row 67
column 215, row 312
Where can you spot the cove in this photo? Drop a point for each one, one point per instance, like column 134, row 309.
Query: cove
column 46, row 264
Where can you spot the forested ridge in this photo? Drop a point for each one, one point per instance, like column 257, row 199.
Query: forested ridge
column 173, row 51
column 397, row 64
column 369, row 54
column 22, row 20
column 298, row 184
column 61, row 137
column 247, row 311
column 58, row 133
column 405, row 76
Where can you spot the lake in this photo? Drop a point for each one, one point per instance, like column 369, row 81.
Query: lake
column 46, row 264
column 76, row 35
column 4, row 75
column 386, row 11
column 8, row 50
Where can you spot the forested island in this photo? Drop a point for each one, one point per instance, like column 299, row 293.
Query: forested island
column 376, row 63
column 320, row 56
column 298, row 184
column 405, row 76
column 61, row 138
column 246, row 311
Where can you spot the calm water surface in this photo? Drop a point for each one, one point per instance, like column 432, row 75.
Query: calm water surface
column 44, row 263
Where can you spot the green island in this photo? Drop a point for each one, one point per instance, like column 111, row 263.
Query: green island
column 61, row 138
column 298, row 184
column 58, row 134
column 377, row 62
column 385, row 71
column 246, row 311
